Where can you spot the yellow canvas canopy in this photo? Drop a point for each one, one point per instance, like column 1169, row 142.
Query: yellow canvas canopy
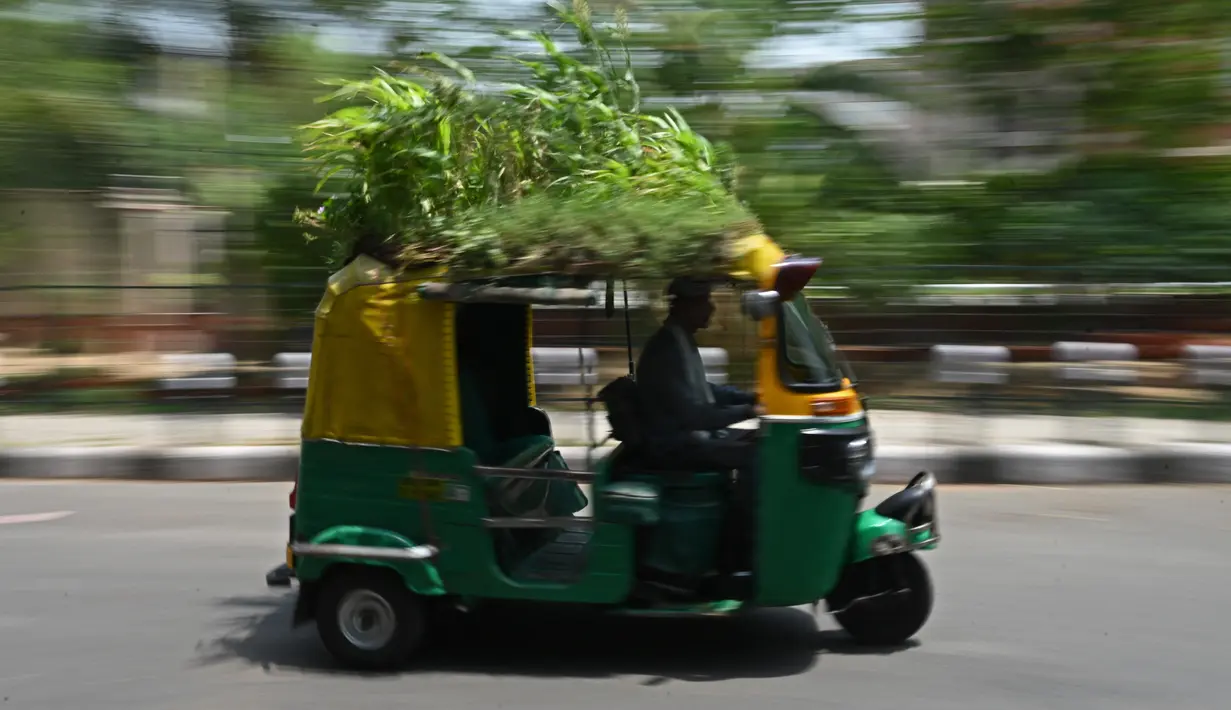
column 384, row 368
column 754, row 259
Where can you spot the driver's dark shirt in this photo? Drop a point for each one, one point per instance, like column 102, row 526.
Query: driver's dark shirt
column 673, row 408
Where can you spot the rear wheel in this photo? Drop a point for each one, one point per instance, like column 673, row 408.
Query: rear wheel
column 369, row 620
column 891, row 601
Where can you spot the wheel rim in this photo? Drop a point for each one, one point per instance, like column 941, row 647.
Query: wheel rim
column 366, row 619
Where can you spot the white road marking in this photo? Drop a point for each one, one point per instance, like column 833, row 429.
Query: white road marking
column 34, row 517
column 1066, row 516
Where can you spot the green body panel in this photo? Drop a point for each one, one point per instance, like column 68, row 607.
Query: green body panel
column 804, row 528
column 420, row 575
column 365, row 486
column 871, row 525
column 726, row 607
column 631, row 503
column 807, row 532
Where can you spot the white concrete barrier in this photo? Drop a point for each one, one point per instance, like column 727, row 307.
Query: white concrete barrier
column 970, row 364
column 1208, row 365
column 292, row 371
column 198, row 371
column 565, row 367
column 715, row 361
column 1101, row 363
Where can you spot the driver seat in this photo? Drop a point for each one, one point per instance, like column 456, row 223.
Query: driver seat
column 678, row 512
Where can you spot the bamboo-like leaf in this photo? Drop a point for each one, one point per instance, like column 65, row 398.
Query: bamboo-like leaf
column 563, row 165
column 454, row 65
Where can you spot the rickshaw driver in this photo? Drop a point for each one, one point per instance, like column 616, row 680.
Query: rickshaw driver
column 687, row 419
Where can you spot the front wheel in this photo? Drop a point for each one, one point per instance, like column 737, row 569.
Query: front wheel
column 369, row 620
column 891, row 600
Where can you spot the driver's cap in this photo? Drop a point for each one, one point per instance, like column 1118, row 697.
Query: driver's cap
column 689, row 287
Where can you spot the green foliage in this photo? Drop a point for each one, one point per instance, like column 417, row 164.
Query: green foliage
column 567, row 166
column 440, row 171
column 1108, row 218
column 1149, row 69
column 617, row 230
column 58, row 127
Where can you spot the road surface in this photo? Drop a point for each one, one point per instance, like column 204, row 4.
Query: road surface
column 143, row 596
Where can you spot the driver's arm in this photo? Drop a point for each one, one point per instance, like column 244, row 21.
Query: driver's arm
column 663, row 379
column 727, row 396
column 699, row 416
column 692, row 414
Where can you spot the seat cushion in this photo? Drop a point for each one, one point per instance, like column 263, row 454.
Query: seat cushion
column 630, row 503
column 528, row 497
column 477, row 434
column 512, row 496
column 521, row 451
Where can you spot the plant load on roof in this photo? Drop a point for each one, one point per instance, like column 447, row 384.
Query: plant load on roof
column 562, row 174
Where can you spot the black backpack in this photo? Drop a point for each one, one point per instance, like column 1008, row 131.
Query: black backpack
column 623, row 410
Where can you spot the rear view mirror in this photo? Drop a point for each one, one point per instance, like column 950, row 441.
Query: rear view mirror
column 759, row 305
column 794, row 275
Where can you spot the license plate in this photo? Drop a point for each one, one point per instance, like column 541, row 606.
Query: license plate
column 427, row 489
column 433, row 490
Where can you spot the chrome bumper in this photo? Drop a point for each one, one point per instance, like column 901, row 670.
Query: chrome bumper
column 896, row 544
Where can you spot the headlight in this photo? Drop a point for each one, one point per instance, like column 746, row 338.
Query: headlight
column 888, row 544
column 859, row 461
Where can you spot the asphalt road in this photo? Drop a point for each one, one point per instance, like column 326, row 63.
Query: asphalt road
column 140, row 596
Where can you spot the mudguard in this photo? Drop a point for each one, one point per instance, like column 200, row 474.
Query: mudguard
column 903, row 522
column 871, row 526
column 420, row 575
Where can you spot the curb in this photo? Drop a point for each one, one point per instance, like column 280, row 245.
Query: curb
column 1056, row 464
column 130, row 463
column 230, row 463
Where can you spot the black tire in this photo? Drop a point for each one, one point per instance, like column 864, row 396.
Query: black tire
column 369, row 620
column 892, row 619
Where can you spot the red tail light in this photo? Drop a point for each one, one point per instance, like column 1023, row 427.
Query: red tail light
column 291, row 497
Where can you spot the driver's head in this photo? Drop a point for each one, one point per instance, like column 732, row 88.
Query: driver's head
column 691, row 305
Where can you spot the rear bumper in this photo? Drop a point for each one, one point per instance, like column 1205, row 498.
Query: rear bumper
column 282, row 575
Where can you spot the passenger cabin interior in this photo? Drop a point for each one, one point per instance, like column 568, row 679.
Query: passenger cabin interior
column 504, row 430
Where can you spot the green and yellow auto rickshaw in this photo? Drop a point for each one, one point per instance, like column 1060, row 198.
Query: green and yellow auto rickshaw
column 427, row 483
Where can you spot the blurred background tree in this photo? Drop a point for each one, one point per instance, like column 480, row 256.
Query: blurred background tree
column 1044, row 140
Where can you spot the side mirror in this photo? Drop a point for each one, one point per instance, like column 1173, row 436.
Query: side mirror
column 794, row 275
column 759, row 305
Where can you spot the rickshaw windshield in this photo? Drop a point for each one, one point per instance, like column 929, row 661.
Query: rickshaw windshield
column 810, row 358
